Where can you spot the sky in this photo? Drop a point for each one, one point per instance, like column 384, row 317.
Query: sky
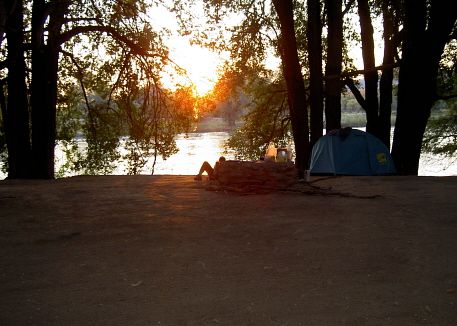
column 202, row 65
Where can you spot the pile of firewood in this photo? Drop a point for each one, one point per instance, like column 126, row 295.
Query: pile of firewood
column 269, row 174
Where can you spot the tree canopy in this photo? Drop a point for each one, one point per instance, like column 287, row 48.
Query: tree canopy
column 414, row 35
column 92, row 68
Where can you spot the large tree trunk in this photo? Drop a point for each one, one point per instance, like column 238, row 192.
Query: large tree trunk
column 43, row 112
column 16, row 115
column 316, row 91
column 333, row 66
column 45, row 58
column 423, row 45
column 295, row 84
column 6, row 10
column 371, row 78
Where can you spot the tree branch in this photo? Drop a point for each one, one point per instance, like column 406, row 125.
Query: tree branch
column 348, row 6
column 448, row 97
column 361, row 72
column 137, row 49
column 358, row 96
column 80, row 78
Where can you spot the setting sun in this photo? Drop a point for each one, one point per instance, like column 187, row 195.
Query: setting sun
column 200, row 64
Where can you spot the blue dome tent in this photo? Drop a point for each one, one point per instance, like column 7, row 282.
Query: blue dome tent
column 350, row 152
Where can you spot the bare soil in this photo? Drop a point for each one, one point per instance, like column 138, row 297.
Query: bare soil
column 163, row 250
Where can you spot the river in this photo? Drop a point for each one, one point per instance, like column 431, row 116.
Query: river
column 194, row 149
column 198, row 147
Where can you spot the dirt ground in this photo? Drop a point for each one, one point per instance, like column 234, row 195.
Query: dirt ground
column 163, row 250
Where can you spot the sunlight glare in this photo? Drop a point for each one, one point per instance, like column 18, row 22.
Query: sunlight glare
column 199, row 63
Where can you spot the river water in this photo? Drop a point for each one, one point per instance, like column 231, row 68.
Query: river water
column 199, row 147
column 195, row 148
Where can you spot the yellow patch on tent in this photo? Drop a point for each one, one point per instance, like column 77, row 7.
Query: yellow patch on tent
column 382, row 158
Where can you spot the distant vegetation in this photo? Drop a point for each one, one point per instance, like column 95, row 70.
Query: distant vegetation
column 352, row 115
column 210, row 124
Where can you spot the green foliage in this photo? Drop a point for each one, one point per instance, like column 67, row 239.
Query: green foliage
column 99, row 157
column 128, row 129
column 268, row 120
column 97, row 150
column 227, row 97
column 112, row 109
column 441, row 134
column 69, row 115
column 251, row 41
column 152, row 124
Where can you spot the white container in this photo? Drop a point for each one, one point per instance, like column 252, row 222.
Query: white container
column 281, row 155
column 307, row 175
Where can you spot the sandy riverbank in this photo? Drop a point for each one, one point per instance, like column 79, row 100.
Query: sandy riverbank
column 162, row 250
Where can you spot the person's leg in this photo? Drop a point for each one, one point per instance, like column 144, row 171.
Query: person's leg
column 206, row 167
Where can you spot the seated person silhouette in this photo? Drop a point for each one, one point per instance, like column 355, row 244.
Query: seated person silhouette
column 213, row 174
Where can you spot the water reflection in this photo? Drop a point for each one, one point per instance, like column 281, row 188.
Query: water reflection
column 198, row 147
column 437, row 165
column 194, row 149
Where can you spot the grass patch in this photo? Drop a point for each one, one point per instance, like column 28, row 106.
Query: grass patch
column 216, row 125
column 355, row 120
column 358, row 120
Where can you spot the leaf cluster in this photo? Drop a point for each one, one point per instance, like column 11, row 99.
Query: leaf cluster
column 267, row 120
column 440, row 136
column 110, row 90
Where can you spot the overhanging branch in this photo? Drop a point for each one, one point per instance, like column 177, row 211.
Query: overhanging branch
column 137, row 49
column 358, row 96
column 361, row 72
column 448, row 97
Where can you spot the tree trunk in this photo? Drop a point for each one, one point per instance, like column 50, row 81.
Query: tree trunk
column 387, row 76
column 316, row 91
column 423, row 46
column 43, row 112
column 371, row 78
column 16, row 115
column 6, row 10
column 295, row 84
column 45, row 59
column 333, row 66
